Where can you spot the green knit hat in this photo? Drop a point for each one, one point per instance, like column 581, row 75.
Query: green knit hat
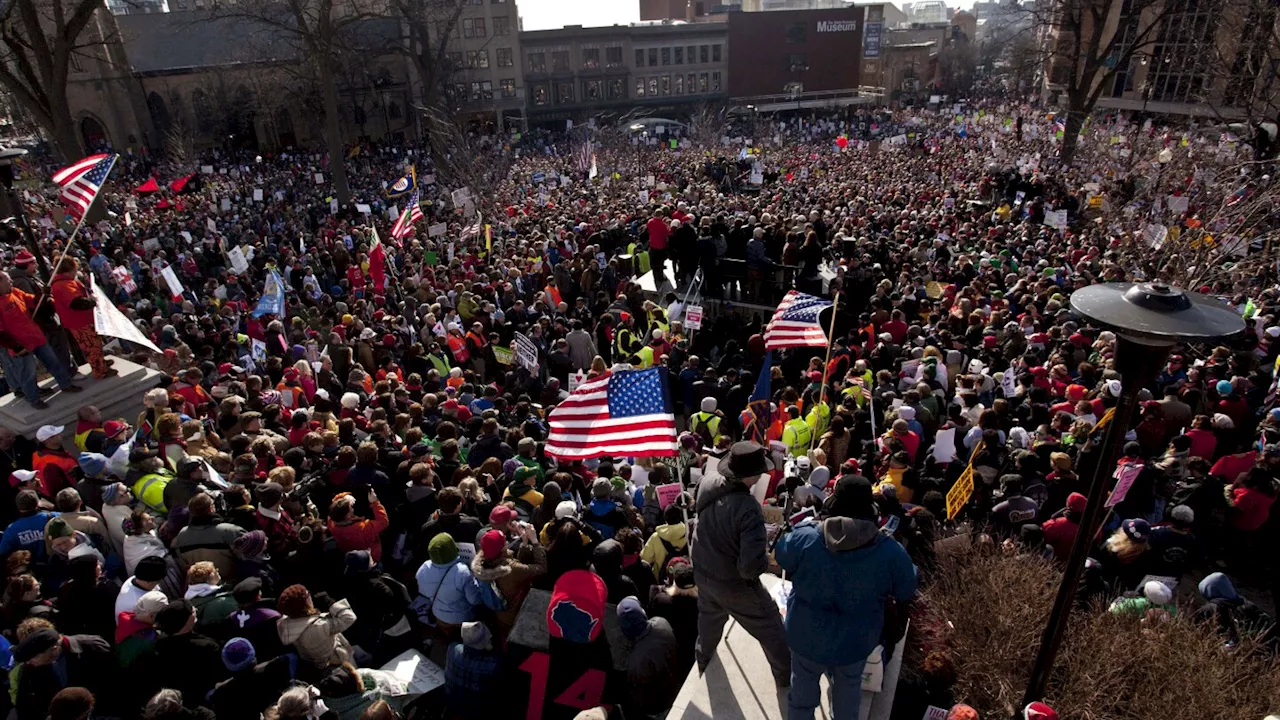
column 443, row 549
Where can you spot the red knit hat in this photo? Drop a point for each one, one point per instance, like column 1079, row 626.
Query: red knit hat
column 24, row 257
column 1039, row 711
column 493, row 544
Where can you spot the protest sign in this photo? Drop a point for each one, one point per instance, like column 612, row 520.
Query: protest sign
column 109, row 321
column 667, row 494
column 693, row 317
column 526, row 352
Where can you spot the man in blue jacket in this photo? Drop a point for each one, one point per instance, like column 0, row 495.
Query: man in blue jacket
column 843, row 571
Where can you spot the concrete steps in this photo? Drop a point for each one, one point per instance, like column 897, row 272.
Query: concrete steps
column 120, row 396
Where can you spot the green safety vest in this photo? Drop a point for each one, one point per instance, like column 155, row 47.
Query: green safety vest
column 796, row 435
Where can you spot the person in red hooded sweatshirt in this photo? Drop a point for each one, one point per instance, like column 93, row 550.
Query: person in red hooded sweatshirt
column 74, row 305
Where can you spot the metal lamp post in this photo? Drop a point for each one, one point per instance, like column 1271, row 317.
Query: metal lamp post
column 13, row 206
column 1148, row 320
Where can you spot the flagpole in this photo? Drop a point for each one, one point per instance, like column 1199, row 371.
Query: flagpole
column 76, row 231
column 826, row 365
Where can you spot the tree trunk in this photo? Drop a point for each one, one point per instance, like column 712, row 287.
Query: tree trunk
column 333, row 134
column 1071, row 132
column 64, row 135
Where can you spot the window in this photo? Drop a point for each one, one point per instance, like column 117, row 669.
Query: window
column 454, row 32
column 537, row 62
column 666, row 84
column 680, row 55
column 715, row 53
column 505, row 58
column 478, row 59
column 702, row 82
column 691, row 54
column 639, row 87
column 653, row 87
column 560, row 61
column 472, row 2
column 508, row 87
column 653, row 57
column 692, row 86
column 1182, row 53
column 703, row 53
column 498, row 2
column 473, row 27
column 502, row 26
column 715, row 81
column 613, row 57
column 591, row 58
column 482, row 90
column 541, row 94
column 564, row 93
column 454, row 59
column 617, row 89
column 795, row 61
column 679, row 84
column 639, row 58
column 458, row 92
column 666, row 56
column 591, row 90
column 795, row 33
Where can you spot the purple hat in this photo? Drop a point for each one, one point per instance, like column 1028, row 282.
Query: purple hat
column 252, row 544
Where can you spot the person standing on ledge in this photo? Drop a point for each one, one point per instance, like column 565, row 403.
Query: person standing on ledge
column 730, row 551
column 25, row 343
column 74, row 303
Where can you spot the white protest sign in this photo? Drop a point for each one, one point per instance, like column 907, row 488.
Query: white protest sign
column 210, row 225
column 576, row 379
column 693, row 317
column 128, row 221
column 109, row 321
column 171, row 279
column 419, row 675
column 364, row 208
column 1155, row 234
column 460, row 197
column 437, row 230
column 319, row 178
column 238, row 262
column 206, row 169
column 225, row 205
column 757, row 175
column 333, row 206
column 944, row 445
column 1008, row 383
column 257, row 194
column 1177, row 203
column 526, row 352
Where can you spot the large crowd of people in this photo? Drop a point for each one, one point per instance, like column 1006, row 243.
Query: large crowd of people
column 309, row 494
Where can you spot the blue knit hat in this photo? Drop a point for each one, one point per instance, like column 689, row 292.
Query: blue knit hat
column 92, row 464
column 631, row 617
column 238, row 654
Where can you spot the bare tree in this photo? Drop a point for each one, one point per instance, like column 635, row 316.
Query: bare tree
column 1083, row 45
column 430, row 24
column 957, row 67
column 321, row 32
column 38, row 41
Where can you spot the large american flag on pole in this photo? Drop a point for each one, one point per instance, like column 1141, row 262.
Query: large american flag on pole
column 81, row 182
column 622, row 413
column 404, row 224
column 795, row 322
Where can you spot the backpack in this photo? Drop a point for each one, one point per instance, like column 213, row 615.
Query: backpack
column 672, row 552
column 702, row 428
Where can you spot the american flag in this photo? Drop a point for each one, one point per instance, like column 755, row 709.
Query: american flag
column 404, row 224
column 81, row 182
column 623, row 413
column 795, row 322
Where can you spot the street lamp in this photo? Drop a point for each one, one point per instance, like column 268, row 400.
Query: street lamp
column 13, row 207
column 1148, row 320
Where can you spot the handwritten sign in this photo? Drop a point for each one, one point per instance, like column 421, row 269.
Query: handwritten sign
column 667, row 494
column 1124, row 475
column 437, row 230
column 418, row 673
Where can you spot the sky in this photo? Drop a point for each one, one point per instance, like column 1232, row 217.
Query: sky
column 547, row 14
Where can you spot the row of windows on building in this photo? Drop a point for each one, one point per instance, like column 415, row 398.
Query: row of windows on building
column 479, row 59
column 645, row 57
column 478, row 28
column 562, row 93
column 481, row 91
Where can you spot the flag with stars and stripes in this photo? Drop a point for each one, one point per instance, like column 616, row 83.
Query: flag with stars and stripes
column 81, row 182
column 795, row 322
column 624, row 413
column 403, row 227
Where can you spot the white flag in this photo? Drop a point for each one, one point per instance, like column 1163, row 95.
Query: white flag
column 109, row 321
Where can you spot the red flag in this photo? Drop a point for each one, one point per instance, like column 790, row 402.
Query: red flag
column 148, row 187
column 378, row 267
column 181, row 183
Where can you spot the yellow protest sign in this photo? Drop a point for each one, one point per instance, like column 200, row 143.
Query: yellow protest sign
column 1095, row 201
column 959, row 494
column 934, row 289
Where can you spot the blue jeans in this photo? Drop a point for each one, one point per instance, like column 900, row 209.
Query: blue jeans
column 22, row 371
column 806, row 692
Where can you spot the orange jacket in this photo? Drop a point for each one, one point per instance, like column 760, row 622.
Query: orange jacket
column 16, row 325
column 54, row 468
column 362, row 534
column 65, row 288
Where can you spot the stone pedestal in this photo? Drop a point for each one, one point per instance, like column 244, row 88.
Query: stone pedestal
column 119, row 396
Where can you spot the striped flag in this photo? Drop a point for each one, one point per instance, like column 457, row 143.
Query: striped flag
column 403, row 227
column 623, row 413
column 795, row 322
column 81, row 182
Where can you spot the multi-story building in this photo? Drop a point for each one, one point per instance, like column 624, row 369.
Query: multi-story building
column 793, row 52
column 1186, row 57
column 483, row 73
column 573, row 73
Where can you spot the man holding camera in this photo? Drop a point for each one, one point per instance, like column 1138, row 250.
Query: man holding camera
column 730, row 551
column 843, row 572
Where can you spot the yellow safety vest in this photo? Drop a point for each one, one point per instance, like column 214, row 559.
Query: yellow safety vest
column 819, row 418
column 710, row 421
column 622, row 344
column 150, row 490
column 797, row 435
column 81, row 438
column 646, row 356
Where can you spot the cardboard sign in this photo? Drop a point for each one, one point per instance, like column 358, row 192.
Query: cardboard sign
column 319, row 178
column 238, row 262
column 693, row 317
column 667, row 494
column 171, row 279
column 257, row 194
column 526, row 352
column 364, row 208
column 958, row 495
column 437, row 230
column 1124, row 475
column 576, row 380
column 944, row 445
